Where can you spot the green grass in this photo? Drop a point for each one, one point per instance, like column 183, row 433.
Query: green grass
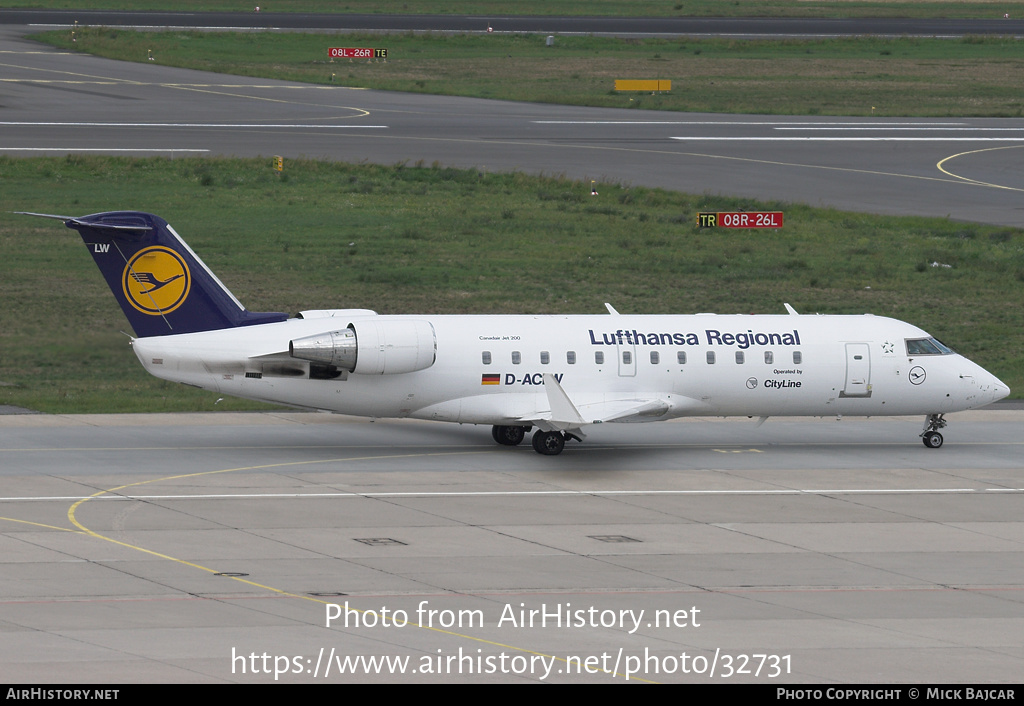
column 423, row 239
column 568, row 8
column 853, row 76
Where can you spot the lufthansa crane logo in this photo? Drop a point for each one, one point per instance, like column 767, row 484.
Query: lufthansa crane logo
column 156, row 281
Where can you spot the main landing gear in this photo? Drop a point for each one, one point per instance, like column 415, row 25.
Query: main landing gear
column 547, row 443
column 931, row 436
column 509, row 436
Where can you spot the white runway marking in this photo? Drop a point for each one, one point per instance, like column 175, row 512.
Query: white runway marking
column 521, row 493
column 770, row 123
column 97, row 149
column 204, row 125
column 866, row 128
column 44, row 53
column 703, row 138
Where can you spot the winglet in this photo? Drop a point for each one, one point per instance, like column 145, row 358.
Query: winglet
column 564, row 414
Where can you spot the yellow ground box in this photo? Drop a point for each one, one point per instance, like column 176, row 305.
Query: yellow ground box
column 642, row 85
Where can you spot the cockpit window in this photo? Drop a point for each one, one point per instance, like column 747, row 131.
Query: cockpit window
column 927, row 346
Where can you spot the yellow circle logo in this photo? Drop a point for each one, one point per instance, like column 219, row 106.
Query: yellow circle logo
column 156, row 281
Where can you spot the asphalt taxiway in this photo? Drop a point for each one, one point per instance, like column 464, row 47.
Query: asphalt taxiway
column 186, row 547
column 778, row 27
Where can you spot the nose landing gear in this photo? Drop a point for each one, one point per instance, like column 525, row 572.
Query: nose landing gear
column 931, row 436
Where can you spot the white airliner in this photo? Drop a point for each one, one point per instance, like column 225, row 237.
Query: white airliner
column 558, row 374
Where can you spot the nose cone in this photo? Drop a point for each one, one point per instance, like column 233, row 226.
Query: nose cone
column 990, row 388
column 980, row 386
column 999, row 389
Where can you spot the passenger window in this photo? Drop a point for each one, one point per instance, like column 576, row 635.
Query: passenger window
column 599, row 357
column 769, row 358
column 681, row 357
column 798, row 357
column 516, row 358
column 545, row 358
column 486, row 357
column 655, row 358
column 570, row 357
column 711, row 357
column 627, row 358
column 739, row 357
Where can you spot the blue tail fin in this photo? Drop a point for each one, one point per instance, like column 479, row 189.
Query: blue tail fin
column 162, row 286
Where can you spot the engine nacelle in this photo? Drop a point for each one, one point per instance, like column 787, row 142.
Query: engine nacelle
column 372, row 347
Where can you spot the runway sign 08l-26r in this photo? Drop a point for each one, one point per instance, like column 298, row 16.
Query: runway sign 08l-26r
column 356, row 53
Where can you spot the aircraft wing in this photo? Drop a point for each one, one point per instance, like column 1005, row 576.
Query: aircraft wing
column 628, row 410
column 564, row 415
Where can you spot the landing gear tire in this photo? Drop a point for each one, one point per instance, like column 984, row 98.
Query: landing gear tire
column 548, row 443
column 508, row 435
column 931, row 436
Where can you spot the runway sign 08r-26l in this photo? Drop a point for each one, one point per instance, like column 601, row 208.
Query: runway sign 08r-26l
column 753, row 219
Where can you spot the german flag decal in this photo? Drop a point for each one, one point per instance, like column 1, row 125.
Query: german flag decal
column 490, row 379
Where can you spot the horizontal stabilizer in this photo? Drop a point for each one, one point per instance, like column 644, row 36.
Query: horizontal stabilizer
column 78, row 224
column 45, row 215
